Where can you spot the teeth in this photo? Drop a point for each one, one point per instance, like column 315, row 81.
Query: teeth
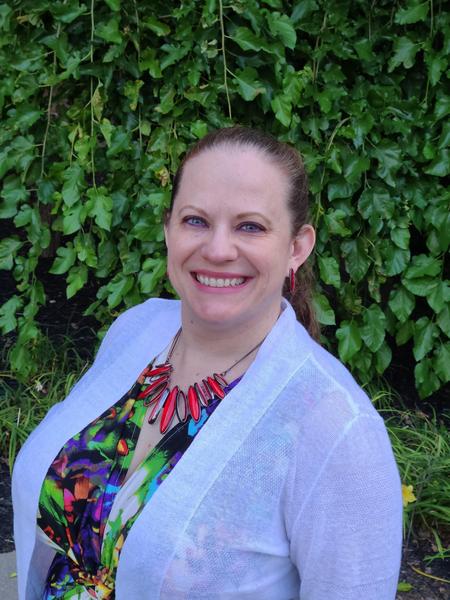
column 219, row 282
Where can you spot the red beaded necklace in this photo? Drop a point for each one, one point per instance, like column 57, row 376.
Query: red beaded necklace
column 156, row 391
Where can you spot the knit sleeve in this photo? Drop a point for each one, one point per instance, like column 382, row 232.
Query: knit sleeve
column 346, row 526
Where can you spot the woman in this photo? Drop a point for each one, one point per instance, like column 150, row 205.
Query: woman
column 285, row 485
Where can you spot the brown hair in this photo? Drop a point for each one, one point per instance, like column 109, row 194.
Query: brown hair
column 291, row 163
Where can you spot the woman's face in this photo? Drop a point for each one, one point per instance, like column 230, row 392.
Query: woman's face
column 229, row 239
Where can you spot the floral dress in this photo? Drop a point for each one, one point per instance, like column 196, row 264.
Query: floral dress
column 86, row 507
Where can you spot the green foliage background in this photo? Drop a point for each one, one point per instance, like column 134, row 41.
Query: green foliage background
column 99, row 100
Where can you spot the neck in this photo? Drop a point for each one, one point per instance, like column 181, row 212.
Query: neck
column 218, row 345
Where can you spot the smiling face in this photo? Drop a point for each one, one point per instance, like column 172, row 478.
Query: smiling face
column 229, row 239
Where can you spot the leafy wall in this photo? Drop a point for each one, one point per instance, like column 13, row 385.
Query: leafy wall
column 100, row 99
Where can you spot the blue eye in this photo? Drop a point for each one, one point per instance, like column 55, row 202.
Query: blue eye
column 194, row 221
column 251, row 227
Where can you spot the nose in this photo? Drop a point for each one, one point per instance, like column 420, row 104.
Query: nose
column 219, row 246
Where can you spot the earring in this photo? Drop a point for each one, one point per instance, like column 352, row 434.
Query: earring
column 291, row 281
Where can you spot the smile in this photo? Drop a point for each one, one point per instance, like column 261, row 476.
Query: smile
column 219, row 282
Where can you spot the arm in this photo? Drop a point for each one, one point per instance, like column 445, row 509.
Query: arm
column 346, row 536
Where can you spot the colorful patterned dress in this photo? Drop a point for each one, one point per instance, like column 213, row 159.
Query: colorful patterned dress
column 85, row 507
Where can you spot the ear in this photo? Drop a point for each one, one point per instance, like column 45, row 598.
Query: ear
column 302, row 246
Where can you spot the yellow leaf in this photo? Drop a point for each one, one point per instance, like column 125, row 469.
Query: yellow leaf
column 407, row 495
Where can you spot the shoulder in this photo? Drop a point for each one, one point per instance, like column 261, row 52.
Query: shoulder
column 335, row 423
column 328, row 383
column 153, row 313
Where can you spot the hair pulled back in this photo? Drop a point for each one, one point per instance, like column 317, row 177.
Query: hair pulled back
column 290, row 163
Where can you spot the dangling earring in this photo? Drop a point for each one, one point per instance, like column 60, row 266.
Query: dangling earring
column 291, row 281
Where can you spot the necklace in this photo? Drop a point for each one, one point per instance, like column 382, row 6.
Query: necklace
column 156, row 391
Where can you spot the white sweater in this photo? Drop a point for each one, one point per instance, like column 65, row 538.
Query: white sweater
column 290, row 490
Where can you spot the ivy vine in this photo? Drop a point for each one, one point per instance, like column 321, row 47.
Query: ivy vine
column 99, row 100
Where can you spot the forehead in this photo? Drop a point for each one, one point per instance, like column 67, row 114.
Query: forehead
column 233, row 170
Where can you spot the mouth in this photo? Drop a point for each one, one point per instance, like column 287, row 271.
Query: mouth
column 219, row 282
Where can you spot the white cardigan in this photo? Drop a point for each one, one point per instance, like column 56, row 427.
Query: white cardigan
column 289, row 491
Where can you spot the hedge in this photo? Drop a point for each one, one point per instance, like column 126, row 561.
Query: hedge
column 100, row 100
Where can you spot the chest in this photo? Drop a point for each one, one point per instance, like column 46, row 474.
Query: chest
column 229, row 538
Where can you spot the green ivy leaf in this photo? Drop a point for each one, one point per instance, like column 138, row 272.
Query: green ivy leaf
column 156, row 26
column 412, row 14
column 375, row 204
column 117, row 289
column 131, row 91
column 357, row 261
column 246, row 39
column 383, row 358
column 324, row 312
column 150, row 62
column 349, row 340
column 441, row 362
column 100, row 206
column 5, row 16
column 424, row 333
column 282, row 108
column 444, row 139
column 85, row 248
column 67, row 11
column 427, row 381
column 8, row 249
column 65, row 258
column 401, row 236
column 76, row 279
column 97, row 102
column 402, row 303
column 280, row 26
column 373, row 330
column 422, row 286
column 303, row 9
column 389, row 157
column 173, row 54
column 8, row 310
column 13, row 193
column 73, row 178
column 107, row 257
column 109, row 31
column 339, row 189
column 436, row 66
column 113, row 4
column 395, row 260
column 120, row 142
column 74, row 218
column 443, row 320
column 442, row 106
column 155, row 269
column 404, row 333
column 334, row 222
column 199, row 128
column 329, row 271
column 405, row 51
column 107, row 129
column 439, row 296
column 440, row 167
column 355, row 167
column 423, row 265
column 248, row 83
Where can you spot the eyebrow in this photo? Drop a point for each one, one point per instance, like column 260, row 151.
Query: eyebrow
column 244, row 215
column 248, row 215
column 192, row 208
